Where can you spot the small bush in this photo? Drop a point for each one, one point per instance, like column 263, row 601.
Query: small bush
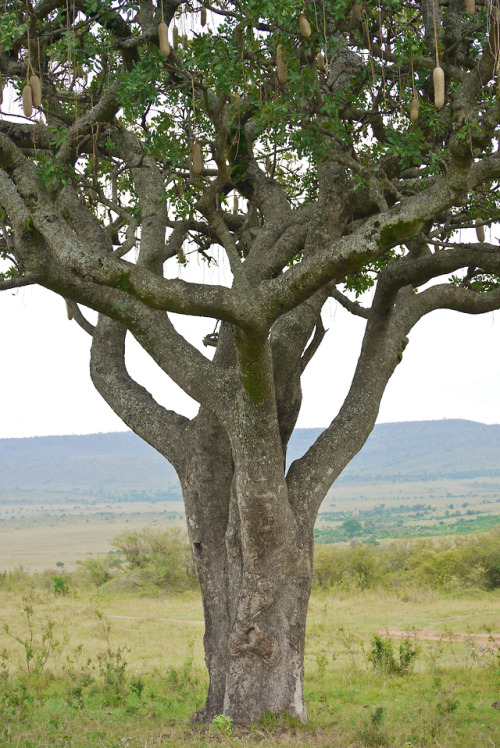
column 98, row 571
column 37, row 642
column 371, row 731
column 383, row 659
column 223, row 724
column 16, row 580
column 60, row 584
column 163, row 557
column 355, row 567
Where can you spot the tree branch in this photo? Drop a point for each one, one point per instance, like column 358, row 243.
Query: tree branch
column 103, row 111
column 417, row 270
column 148, row 183
column 354, row 307
column 159, row 427
column 289, row 338
column 456, row 298
column 79, row 318
column 375, row 236
column 19, row 281
column 310, row 477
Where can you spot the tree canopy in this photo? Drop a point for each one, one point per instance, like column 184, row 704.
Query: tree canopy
column 349, row 82
column 322, row 150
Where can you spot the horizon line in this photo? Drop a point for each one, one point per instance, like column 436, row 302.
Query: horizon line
column 301, row 428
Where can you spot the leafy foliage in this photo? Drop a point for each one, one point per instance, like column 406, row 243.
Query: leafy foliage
column 382, row 657
column 230, row 64
column 447, row 563
column 163, row 557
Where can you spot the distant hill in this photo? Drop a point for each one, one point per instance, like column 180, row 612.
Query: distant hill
column 115, row 464
column 418, row 451
column 122, row 465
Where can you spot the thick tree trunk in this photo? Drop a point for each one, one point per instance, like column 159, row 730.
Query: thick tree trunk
column 255, row 596
column 255, row 655
column 266, row 644
column 206, row 483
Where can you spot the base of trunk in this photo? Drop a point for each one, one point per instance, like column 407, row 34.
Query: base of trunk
column 255, row 689
column 259, row 669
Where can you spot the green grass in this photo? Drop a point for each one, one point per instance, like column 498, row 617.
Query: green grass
column 430, row 514
column 450, row 708
column 132, row 673
column 90, row 662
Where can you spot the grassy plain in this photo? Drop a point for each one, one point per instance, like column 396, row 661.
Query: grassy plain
column 38, row 535
column 128, row 670
column 426, row 508
column 105, row 667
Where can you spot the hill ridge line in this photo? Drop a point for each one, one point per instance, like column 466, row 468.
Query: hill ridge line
column 119, row 462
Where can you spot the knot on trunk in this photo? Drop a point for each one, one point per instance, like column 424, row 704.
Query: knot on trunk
column 251, row 639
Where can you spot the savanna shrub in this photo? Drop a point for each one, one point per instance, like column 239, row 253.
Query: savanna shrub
column 97, row 571
column 60, row 584
column 383, row 659
column 162, row 556
column 462, row 562
column 16, row 580
column 355, row 567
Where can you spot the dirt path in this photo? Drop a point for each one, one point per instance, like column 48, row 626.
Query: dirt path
column 482, row 639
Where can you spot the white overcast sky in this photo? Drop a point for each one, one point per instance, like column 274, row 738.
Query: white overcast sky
column 451, row 369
